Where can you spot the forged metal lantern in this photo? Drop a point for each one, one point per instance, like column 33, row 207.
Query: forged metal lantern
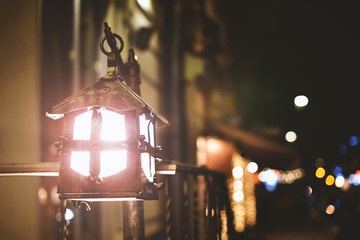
column 108, row 144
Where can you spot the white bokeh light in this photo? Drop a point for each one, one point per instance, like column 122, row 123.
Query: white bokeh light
column 301, row 101
column 252, row 167
column 290, row 136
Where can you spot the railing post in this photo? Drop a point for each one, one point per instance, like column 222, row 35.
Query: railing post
column 133, row 215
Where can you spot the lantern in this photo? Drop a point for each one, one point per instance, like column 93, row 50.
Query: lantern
column 108, row 148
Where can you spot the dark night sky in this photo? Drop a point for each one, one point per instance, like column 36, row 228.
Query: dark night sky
column 285, row 48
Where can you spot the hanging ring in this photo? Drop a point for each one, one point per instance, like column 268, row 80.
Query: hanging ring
column 118, row 50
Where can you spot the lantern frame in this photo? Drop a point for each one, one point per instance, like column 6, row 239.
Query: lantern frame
column 115, row 92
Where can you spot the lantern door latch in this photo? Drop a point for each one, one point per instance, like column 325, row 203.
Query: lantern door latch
column 144, row 146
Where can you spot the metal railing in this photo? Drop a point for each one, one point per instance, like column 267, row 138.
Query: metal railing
column 205, row 206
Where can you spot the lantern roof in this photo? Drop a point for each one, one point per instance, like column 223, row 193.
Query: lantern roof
column 109, row 92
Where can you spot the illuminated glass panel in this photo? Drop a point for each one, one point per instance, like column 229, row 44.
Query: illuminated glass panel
column 113, row 126
column 82, row 126
column 112, row 162
column 80, row 162
column 147, row 162
column 112, row 129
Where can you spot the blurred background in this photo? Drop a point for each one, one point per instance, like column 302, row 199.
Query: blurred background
column 223, row 70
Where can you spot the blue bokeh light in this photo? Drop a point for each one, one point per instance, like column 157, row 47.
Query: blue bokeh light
column 337, row 170
column 343, row 149
column 337, row 204
column 354, row 140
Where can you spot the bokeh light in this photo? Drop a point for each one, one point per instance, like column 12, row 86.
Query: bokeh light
column 329, row 180
column 330, row 209
column 354, row 140
column 290, row 136
column 238, row 196
column 252, row 167
column 238, row 172
column 320, row 172
column 301, row 101
column 339, row 181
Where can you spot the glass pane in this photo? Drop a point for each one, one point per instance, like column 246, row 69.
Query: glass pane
column 147, row 129
column 113, row 126
column 82, row 126
column 80, row 161
column 112, row 162
column 148, row 166
column 147, row 162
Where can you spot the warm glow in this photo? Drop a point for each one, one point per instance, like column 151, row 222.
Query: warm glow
column 112, row 129
column 224, row 224
column 80, row 162
column 238, row 185
column 238, row 196
column 329, row 180
column 82, row 126
column 320, row 172
column 112, row 162
column 213, row 145
column 145, row 4
column 241, row 192
column 113, row 126
column 42, row 194
column 237, row 172
column 330, row 209
column 290, row 136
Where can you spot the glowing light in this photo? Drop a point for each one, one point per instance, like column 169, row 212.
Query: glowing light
column 238, row 196
column 329, row 180
column 355, row 178
column 252, row 167
column 82, row 126
column 145, row 4
column 237, row 172
column 308, row 190
column 238, row 185
column 337, row 170
column 213, row 145
column 212, row 212
column 80, row 162
column 337, row 204
column 147, row 162
column 42, row 194
column 113, row 126
column 224, row 223
column 270, row 179
column 112, row 129
column 301, row 101
column 339, row 181
column 320, row 172
column 112, row 162
column 241, row 195
column 290, row 136
column 354, row 140
column 69, row 214
column 330, row 209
